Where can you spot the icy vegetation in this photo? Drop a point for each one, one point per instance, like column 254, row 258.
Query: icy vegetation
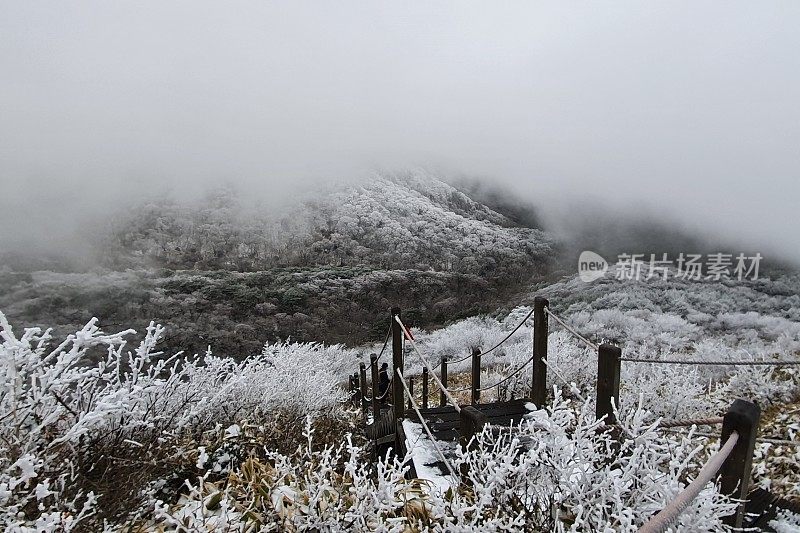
column 394, row 221
column 77, row 435
column 565, row 483
column 673, row 319
column 104, row 428
column 199, row 443
column 651, row 320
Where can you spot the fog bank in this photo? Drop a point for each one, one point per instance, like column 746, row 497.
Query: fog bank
column 685, row 111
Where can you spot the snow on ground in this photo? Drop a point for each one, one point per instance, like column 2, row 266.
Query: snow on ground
column 427, row 461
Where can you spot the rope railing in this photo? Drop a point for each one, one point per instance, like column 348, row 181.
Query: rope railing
column 382, row 396
column 496, row 346
column 385, row 343
column 666, row 423
column 456, row 361
column 572, row 388
column 488, row 387
column 739, row 426
column 781, row 442
column 511, row 375
column 667, row 516
column 713, row 363
column 778, row 441
column 425, row 427
column 580, row 337
column 669, row 425
column 378, row 358
column 427, row 364
column 670, row 361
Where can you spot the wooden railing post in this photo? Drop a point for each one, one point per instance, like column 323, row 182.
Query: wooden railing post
column 376, row 405
column 351, row 388
column 410, row 390
column 476, row 376
column 398, row 403
column 608, row 368
column 471, row 422
column 540, row 333
column 354, row 392
column 734, row 476
column 442, row 397
column 362, row 386
column 425, row 388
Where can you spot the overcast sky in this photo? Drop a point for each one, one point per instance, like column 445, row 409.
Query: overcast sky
column 685, row 108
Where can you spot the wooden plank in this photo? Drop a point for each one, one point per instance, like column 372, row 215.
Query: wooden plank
column 488, row 408
column 448, row 435
column 388, row 439
column 763, row 506
column 444, row 422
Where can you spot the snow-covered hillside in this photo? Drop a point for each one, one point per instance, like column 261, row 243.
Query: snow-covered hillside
column 322, row 267
column 404, row 221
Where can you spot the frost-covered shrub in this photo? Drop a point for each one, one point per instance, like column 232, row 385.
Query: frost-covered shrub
column 293, row 377
column 211, row 442
column 785, row 522
column 685, row 321
column 678, row 327
column 555, row 472
column 78, row 437
column 558, row 472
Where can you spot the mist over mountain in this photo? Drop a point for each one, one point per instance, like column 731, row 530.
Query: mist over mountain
column 411, row 220
column 225, row 266
column 225, row 270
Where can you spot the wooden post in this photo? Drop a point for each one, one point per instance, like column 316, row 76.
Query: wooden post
column 476, row 375
column 425, row 388
column 376, row 405
column 471, row 422
column 354, row 389
column 442, row 397
column 410, row 390
column 350, row 386
column 608, row 367
column 398, row 394
column 540, row 333
column 362, row 386
column 734, row 476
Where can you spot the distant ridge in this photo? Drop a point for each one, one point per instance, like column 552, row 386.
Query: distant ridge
column 410, row 220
